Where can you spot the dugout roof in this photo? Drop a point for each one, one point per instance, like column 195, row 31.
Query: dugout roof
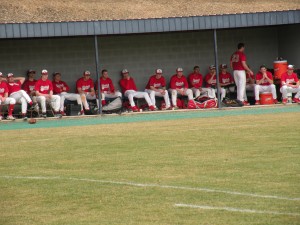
column 135, row 26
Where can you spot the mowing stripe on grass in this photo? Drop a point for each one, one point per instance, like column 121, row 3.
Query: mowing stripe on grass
column 154, row 186
column 143, row 117
column 235, row 209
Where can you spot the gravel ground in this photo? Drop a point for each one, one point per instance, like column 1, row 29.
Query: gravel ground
column 15, row 11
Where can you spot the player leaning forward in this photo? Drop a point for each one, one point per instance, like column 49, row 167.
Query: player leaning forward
column 86, row 90
column 290, row 84
column 239, row 66
column 264, row 83
column 62, row 89
column 14, row 85
column 179, row 85
column 157, row 87
column 44, row 93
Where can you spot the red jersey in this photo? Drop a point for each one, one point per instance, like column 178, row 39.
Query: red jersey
column 85, row 85
column 3, row 88
column 156, row 83
column 195, row 80
column 106, row 85
column 237, row 58
column 225, row 78
column 127, row 85
column 58, row 87
column 43, row 87
column 28, row 86
column 177, row 82
column 289, row 79
column 249, row 77
column 265, row 82
column 14, row 87
column 213, row 82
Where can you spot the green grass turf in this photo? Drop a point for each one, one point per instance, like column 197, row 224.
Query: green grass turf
column 256, row 154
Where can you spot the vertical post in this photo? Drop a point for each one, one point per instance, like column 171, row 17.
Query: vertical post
column 97, row 73
column 217, row 68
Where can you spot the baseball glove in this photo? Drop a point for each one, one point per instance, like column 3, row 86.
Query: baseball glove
column 32, row 121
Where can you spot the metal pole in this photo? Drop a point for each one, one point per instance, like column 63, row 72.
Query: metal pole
column 217, row 68
column 97, row 73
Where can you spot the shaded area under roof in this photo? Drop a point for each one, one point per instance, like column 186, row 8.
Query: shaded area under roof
column 115, row 27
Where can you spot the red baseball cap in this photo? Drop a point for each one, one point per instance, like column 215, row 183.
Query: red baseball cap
column 10, row 75
column 290, row 67
column 44, row 72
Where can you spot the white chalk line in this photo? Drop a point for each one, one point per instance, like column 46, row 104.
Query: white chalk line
column 235, row 209
column 153, row 185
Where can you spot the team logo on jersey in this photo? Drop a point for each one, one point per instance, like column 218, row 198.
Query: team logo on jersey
column 105, row 86
column 13, row 84
column 290, row 81
column 179, row 84
column 87, row 87
column 45, row 88
column 225, row 80
column 59, row 85
column 31, row 88
column 196, row 81
column 157, row 85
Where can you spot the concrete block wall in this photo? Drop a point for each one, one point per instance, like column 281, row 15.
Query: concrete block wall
column 70, row 56
column 289, row 44
column 140, row 54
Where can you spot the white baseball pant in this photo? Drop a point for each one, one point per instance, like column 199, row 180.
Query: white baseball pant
column 240, row 81
column 210, row 92
column 249, row 87
column 265, row 88
column 153, row 93
column 91, row 97
column 285, row 90
column 130, row 94
column 223, row 93
column 8, row 101
column 54, row 101
column 71, row 97
column 174, row 94
column 23, row 98
column 115, row 95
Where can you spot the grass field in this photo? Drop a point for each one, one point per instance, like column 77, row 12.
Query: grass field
column 242, row 169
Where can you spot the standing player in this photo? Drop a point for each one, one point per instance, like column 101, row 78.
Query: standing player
column 250, row 85
column 14, row 85
column 44, row 92
column 196, row 81
column 157, row 87
column 107, row 87
column 264, row 83
column 239, row 66
column 61, row 88
column 5, row 100
column 179, row 84
column 130, row 91
column 226, row 81
column 290, row 84
column 86, row 90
